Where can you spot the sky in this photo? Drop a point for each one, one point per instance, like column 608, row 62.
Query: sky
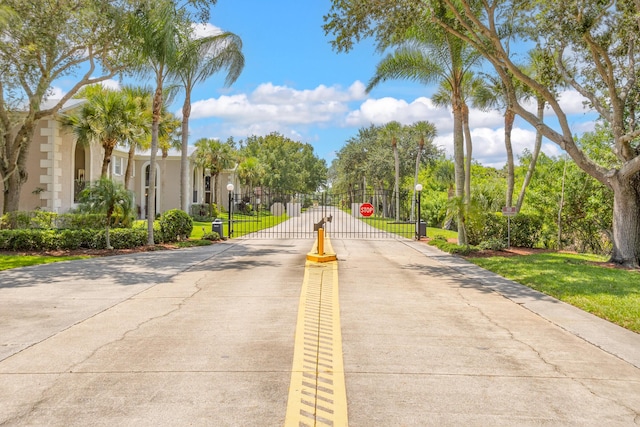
column 295, row 84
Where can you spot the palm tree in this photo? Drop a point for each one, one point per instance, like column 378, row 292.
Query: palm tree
column 107, row 117
column 429, row 56
column 215, row 156
column 156, row 30
column 391, row 131
column 142, row 98
column 106, row 197
column 469, row 86
column 422, row 130
column 250, row 172
column 168, row 138
column 198, row 60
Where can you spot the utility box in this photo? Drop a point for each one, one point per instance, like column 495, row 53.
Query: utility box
column 422, row 229
column 216, row 227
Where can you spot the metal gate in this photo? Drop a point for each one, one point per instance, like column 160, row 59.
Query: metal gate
column 264, row 214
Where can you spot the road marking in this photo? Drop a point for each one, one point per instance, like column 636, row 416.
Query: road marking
column 317, row 393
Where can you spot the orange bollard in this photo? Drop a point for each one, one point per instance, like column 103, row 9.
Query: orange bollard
column 321, row 241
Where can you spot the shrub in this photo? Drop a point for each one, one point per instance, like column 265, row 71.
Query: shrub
column 175, row 225
column 492, row 244
column 29, row 240
column 28, row 219
column 453, row 248
column 212, row 235
column 525, row 230
column 204, row 212
column 120, row 238
column 74, row 239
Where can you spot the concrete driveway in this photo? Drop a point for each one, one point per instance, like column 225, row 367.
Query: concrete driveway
column 205, row 336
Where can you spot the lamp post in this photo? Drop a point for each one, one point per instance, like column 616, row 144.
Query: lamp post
column 230, row 190
column 418, row 220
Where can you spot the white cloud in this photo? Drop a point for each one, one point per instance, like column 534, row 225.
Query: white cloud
column 111, row 84
column 489, row 148
column 204, row 30
column 271, row 104
column 54, row 92
column 384, row 110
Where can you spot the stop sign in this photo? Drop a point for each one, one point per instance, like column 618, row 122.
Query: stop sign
column 366, row 209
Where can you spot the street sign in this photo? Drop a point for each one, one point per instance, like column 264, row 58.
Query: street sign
column 366, row 209
column 509, row 211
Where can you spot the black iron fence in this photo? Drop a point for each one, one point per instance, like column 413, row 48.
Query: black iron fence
column 264, row 214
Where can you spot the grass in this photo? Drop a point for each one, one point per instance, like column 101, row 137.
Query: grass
column 610, row 293
column 14, row 261
column 243, row 224
column 406, row 230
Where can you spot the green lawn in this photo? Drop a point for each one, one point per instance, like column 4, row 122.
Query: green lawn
column 406, row 230
column 613, row 294
column 15, row 261
column 243, row 224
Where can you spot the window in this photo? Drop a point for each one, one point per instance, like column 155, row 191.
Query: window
column 117, row 165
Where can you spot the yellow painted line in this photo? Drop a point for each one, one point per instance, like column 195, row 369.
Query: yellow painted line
column 317, row 392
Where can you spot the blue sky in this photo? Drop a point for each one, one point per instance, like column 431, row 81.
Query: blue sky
column 295, row 84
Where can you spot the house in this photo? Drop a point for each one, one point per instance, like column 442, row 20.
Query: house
column 59, row 168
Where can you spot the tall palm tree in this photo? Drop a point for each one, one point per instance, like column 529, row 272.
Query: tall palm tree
column 469, row 86
column 429, row 56
column 141, row 96
column 422, row 130
column 108, row 117
column 198, row 60
column 106, row 197
column 214, row 156
column 390, row 132
column 156, row 29
column 168, row 138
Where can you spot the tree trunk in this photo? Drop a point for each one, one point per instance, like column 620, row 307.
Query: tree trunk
column 151, row 199
column 458, row 162
column 534, row 157
column 396, row 187
column 469, row 148
column 127, row 173
column 415, row 179
column 509, row 118
column 626, row 221
column 184, row 153
column 14, row 173
column 108, row 150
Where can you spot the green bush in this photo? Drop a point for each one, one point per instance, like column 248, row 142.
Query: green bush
column 175, row 225
column 29, row 240
column 526, row 230
column 493, row 244
column 120, row 238
column 487, row 226
column 74, row 239
column 28, row 219
column 204, row 212
column 212, row 235
column 453, row 248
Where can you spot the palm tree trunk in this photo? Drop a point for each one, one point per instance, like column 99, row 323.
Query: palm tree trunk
column 128, row 171
column 458, row 161
column 469, row 149
column 396, row 187
column 184, row 153
column 151, row 199
column 108, row 150
column 534, row 157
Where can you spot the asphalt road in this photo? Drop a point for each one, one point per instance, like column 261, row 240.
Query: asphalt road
column 205, row 336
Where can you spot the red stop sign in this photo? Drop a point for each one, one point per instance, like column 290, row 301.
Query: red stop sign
column 366, row 209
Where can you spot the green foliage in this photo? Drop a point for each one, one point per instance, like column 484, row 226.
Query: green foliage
column 212, row 235
column 453, row 248
column 27, row 219
column 291, row 166
column 47, row 240
column 175, row 224
column 493, row 244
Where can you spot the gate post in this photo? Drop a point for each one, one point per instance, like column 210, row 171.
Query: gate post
column 230, row 207
column 418, row 219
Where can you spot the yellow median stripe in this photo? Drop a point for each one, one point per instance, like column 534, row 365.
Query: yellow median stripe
column 317, row 393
